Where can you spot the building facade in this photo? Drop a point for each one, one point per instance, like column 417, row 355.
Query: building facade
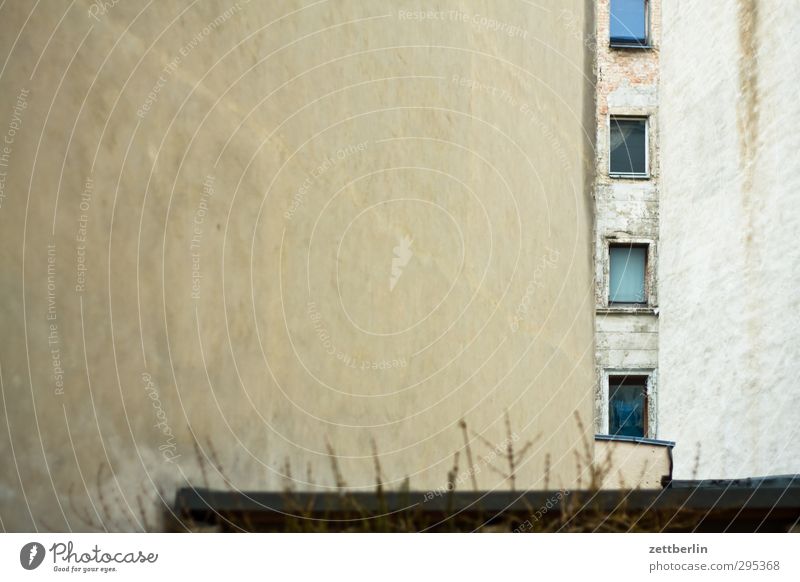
column 626, row 197
column 294, row 245
column 696, row 200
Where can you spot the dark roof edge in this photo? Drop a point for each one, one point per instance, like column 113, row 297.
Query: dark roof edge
column 770, row 481
column 700, row 498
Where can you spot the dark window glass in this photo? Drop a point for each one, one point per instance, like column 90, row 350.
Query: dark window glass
column 628, row 146
column 627, row 406
column 629, row 22
column 626, row 270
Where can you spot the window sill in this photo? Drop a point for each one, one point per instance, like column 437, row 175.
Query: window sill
column 634, row 46
column 629, row 176
column 638, row 440
column 627, row 310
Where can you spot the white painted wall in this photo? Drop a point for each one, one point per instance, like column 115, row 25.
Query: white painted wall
column 730, row 216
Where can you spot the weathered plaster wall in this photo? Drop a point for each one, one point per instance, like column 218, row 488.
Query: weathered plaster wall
column 626, row 210
column 264, row 226
column 730, row 214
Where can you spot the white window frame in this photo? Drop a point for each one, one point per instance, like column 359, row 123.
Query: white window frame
column 650, row 391
column 631, row 175
column 649, row 273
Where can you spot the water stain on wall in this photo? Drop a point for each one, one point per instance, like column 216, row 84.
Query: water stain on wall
column 747, row 119
column 748, row 86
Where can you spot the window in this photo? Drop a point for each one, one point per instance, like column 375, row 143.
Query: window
column 628, row 147
column 628, row 26
column 627, row 405
column 627, row 268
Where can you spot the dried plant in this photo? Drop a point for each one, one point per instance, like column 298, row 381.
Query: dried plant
column 468, row 450
column 563, row 511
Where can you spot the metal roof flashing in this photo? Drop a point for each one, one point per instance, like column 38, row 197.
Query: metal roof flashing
column 630, row 439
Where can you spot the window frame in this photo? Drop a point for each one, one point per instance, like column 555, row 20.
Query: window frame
column 650, row 428
column 649, row 274
column 646, row 175
column 621, row 44
column 645, row 286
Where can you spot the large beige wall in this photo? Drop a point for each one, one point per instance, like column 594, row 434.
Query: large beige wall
column 730, row 214
column 200, row 212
